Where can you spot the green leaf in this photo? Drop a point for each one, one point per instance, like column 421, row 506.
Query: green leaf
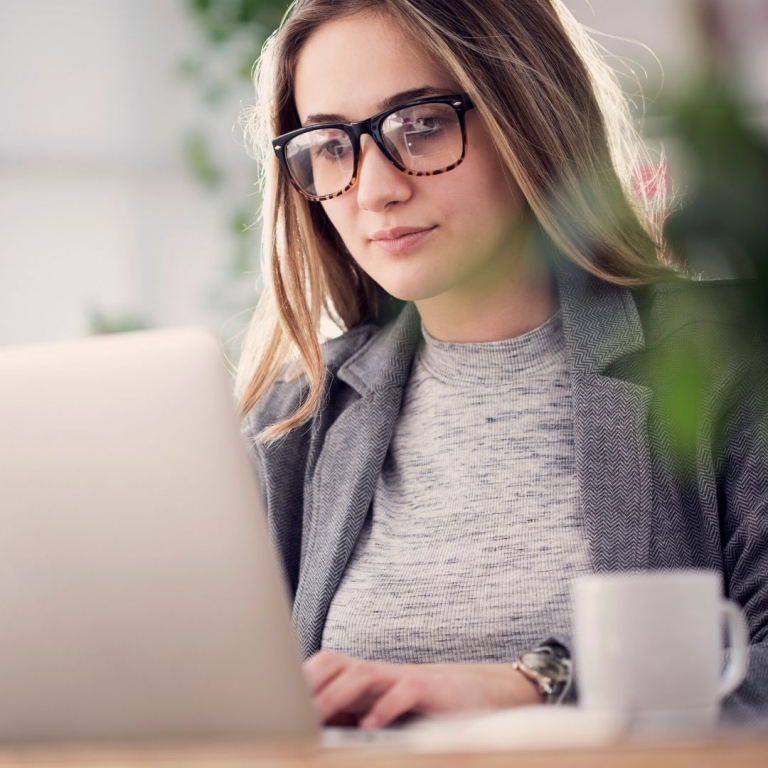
column 198, row 157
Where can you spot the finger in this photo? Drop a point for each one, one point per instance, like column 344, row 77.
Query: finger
column 323, row 667
column 354, row 690
column 343, row 720
column 404, row 696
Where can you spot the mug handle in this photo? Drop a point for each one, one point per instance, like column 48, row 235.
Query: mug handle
column 736, row 669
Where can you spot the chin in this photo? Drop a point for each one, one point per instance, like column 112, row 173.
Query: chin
column 411, row 287
column 410, row 292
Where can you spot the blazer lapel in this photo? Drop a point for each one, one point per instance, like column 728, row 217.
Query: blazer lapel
column 614, row 467
column 348, row 469
column 613, row 455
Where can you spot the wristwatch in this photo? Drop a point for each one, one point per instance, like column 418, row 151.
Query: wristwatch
column 549, row 668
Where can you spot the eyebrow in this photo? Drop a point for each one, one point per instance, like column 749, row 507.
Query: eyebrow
column 391, row 101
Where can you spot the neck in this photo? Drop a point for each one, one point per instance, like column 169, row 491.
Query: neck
column 499, row 306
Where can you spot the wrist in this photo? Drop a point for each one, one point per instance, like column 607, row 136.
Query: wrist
column 514, row 689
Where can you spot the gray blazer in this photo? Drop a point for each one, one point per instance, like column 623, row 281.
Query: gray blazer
column 651, row 500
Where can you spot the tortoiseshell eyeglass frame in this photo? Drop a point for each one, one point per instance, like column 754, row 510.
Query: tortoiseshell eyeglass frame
column 372, row 126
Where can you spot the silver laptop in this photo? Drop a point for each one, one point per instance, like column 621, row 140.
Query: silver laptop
column 139, row 596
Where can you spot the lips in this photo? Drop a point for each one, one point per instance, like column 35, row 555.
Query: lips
column 399, row 239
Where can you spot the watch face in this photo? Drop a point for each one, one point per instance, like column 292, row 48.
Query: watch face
column 545, row 665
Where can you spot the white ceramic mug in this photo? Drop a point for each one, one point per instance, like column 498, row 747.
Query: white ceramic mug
column 649, row 645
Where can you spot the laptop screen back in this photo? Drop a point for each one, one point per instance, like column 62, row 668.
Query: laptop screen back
column 139, row 595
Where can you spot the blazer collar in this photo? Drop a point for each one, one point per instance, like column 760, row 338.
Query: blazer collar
column 600, row 323
column 385, row 360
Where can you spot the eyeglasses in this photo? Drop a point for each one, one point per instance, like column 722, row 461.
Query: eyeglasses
column 421, row 138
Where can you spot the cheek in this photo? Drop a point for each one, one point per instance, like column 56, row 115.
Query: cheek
column 487, row 202
column 499, row 185
column 504, row 204
column 341, row 215
column 489, row 181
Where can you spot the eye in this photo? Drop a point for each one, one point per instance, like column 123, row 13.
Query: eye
column 426, row 134
column 425, row 126
column 330, row 145
column 333, row 149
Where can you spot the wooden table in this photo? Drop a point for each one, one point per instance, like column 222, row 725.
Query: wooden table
column 742, row 751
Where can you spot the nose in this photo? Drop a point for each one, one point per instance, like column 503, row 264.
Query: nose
column 379, row 183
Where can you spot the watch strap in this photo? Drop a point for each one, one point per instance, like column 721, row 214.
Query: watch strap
column 549, row 669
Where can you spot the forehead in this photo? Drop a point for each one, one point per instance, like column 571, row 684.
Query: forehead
column 349, row 66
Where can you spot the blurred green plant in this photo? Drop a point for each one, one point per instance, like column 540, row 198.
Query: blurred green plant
column 100, row 322
column 726, row 205
column 223, row 19
column 197, row 154
column 232, row 33
column 724, row 211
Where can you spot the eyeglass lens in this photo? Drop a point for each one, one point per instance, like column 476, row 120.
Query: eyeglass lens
column 422, row 139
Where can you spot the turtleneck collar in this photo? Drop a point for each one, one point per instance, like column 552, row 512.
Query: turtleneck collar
column 494, row 363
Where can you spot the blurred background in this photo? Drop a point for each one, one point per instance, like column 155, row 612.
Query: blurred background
column 127, row 198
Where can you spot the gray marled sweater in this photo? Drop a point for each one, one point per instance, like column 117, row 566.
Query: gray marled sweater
column 476, row 527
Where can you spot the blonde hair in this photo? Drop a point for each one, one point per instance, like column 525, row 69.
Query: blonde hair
column 558, row 119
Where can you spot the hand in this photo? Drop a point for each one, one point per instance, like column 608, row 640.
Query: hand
column 371, row 694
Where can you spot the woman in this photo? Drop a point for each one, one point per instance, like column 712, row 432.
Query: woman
column 435, row 482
